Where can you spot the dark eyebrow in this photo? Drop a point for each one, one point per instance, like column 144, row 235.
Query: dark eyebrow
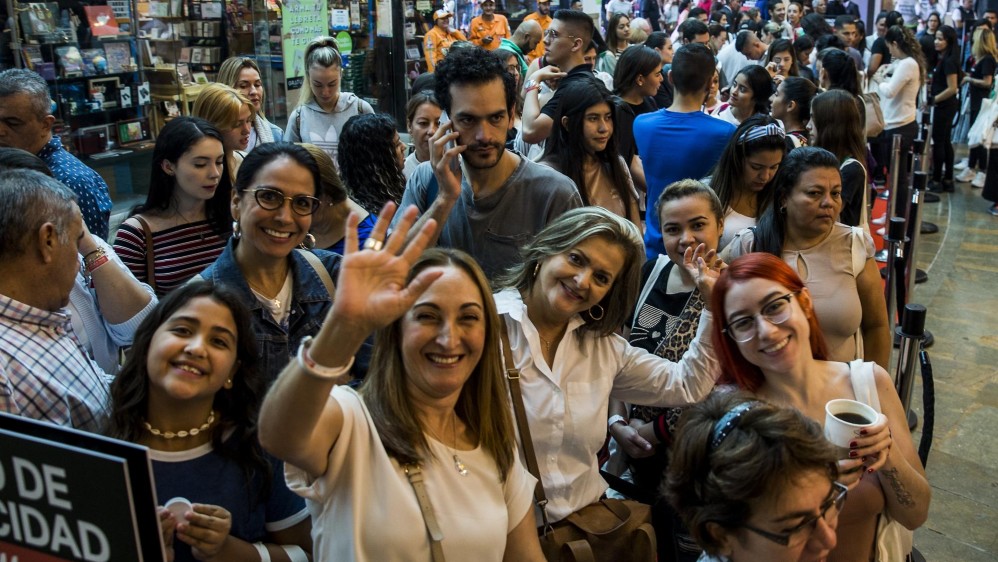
column 195, row 321
column 696, row 218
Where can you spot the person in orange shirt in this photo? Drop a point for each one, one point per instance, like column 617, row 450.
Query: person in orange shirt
column 488, row 29
column 543, row 17
column 439, row 39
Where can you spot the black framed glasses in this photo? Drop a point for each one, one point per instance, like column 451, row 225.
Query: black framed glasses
column 776, row 311
column 272, row 199
column 830, row 509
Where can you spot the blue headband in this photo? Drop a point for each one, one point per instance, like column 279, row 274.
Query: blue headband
column 759, row 131
column 728, row 422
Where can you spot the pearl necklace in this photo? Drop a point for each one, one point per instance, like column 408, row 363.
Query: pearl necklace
column 181, row 434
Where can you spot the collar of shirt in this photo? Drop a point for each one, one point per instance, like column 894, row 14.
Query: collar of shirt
column 50, row 147
column 16, row 311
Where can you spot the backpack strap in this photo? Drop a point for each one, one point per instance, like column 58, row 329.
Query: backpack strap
column 150, row 253
column 320, row 270
column 656, row 271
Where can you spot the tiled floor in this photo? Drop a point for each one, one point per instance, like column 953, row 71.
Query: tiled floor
column 962, row 300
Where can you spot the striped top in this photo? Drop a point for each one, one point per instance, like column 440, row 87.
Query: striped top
column 179, row 252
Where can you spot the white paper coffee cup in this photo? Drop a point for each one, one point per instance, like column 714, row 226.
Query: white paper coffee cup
column 845, row 418
column 179, row 507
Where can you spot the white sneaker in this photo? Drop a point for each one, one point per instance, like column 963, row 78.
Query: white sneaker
column 881, row 220
column 968, row 174
column 979, row 180
column 962, row 164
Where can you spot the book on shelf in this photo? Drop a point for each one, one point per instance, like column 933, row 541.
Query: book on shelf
column 39, row 18
column 185, row 54
column 200, row 78
column 102, row 20
column 119, row 56
column 32, row 55
column 70, row 60
column 94, row 62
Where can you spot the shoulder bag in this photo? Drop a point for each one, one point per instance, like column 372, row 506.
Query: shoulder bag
column 150, row 254
column 609, row 529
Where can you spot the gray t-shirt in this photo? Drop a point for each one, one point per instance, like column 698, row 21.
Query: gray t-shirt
column 321, row 128
column 494, row 228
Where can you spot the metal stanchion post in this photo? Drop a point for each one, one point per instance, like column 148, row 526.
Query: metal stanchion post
column 895, row 260
column 892, row 192
column 912, row 330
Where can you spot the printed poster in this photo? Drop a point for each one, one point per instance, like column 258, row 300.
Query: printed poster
column 303, row 20
column 384, row 18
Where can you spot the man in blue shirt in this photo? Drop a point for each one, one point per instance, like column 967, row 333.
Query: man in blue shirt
column 681, row 141
column 26, row 122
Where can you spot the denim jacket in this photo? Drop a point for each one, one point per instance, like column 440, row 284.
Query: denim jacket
column 310, row 303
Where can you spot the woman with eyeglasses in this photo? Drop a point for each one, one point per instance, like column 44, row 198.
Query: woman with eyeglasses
column 836, row 261
column 754, row 481
column 184, row 223
column 287, row 289
column 323, row 108
column 769, row 343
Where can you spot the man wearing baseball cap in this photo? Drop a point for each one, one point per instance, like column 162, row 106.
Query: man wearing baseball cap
column 439, row 39
column 488, row 29
column 543, row 18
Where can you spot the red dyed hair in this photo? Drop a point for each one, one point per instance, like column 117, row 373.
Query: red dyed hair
column 757, row 265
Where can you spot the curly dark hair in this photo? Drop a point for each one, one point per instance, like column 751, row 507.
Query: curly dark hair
column 237, row 407
column 368, row 165
column 471, row 67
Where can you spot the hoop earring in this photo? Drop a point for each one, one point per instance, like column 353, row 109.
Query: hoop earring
column 602, row 313
column 308, row 243
column 236, row 233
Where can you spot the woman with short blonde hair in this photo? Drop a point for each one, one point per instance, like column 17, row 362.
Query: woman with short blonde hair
column 232, row 113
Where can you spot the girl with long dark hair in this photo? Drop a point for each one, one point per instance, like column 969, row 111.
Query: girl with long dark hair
column 190, row 391
column 792, row 105
column 839, row 130
column 945, row 91
column 583, row 147
column 899, row 85
column 371, row 159
column 750, row 93
column 184, row 222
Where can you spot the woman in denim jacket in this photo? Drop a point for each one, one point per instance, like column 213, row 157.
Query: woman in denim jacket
column 288, row 291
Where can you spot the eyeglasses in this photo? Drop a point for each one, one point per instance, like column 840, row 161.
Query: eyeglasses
column 776, row 311
column 552, row 34
column 829, row 510
column 272, row 199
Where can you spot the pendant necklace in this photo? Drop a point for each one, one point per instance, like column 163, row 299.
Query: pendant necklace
column 459, row 465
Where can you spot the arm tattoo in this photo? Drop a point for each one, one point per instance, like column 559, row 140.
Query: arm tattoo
column 903, row 496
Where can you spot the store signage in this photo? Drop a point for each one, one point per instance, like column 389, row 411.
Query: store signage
column 303, row 20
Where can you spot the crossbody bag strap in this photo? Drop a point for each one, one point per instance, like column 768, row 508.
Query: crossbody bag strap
column 150, row 254
column 415, row 475
column 320, row 270
column 519, row 411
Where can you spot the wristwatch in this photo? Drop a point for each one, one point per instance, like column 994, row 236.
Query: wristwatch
column 614, row 419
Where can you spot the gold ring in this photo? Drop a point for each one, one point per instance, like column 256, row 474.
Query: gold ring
column 373, row 243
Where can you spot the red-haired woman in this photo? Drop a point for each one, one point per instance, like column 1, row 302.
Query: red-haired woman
column 769, row 343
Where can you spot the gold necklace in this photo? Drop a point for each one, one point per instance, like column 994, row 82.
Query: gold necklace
column 181, row 434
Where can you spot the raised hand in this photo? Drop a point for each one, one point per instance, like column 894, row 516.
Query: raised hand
column 445, row 158
column 371, row 290
column 705, row 267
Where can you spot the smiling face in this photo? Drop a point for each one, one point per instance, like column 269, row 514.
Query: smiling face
column 775, row 348
column 236, row 137
column 940, row 42
column 688, row 222
column 480, row 115
column 273, row 234
column 760, row 168
column 778, row 13
column 574, row 281
column 192, row 354
column 804, row 497
column 197, row 171
column 250, row 85
column 488, row 8
column 443, row 336
column 325, row 84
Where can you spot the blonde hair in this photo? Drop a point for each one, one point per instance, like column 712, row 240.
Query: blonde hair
column 984, row 44
column 321, row 51
column 230, row 70
column 220, row 105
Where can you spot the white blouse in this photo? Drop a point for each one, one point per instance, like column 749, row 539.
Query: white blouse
column 567, row 404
